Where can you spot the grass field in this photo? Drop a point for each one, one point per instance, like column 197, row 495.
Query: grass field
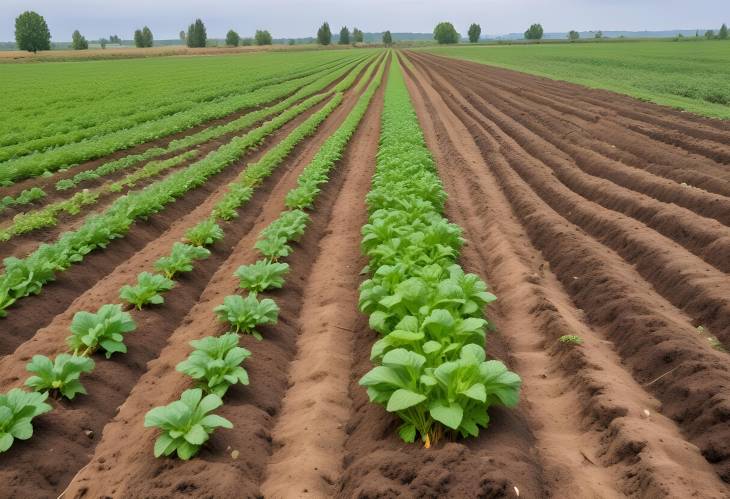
column 689, row 76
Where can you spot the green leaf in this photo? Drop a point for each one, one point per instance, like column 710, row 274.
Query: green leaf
column 403, row 399
column 449, row 416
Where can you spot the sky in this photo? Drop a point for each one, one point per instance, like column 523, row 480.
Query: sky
column 300, row 18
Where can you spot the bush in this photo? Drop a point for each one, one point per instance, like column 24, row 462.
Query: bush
column 324, row 35
column 475, row 32
column 31, row 32
column 445, row 33
column 232, row 39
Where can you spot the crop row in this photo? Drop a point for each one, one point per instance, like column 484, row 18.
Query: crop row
column 125, row 106
column 47, row 216
column 208, row 134
column 430, row 363
column 215, row 363
column 70, row 154
column 27, row 276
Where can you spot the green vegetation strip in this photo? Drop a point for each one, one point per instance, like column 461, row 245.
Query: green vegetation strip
column 27, row 276
column 691, row 75
column 430, row 364
column 210, row 133
column 67, row 155
column 215, row 362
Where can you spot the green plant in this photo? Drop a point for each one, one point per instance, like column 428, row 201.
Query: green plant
column 17, row 409
column 273, row 248
column 261, row 276
column 185, row 423
column 455, row 394
column 31, row 32
column 104, row 329
column 216, row 363
column 205, row 233
column 181, row 259
column 60, row 376
column 245, row 314
column 147, row 290
column 571, row 339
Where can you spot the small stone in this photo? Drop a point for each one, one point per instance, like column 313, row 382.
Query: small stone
column 89, row 434
column 235, row 454
column 646, row 413
column 517, row 491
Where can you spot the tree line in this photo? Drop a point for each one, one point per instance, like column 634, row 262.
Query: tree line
column 32, row 34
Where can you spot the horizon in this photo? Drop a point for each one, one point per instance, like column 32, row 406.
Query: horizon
column 496, row 17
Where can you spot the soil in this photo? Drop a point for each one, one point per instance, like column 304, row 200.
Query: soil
column 587, row 212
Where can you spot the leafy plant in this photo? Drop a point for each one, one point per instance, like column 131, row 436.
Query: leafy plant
column 273, row 248
column 147, row 290
column 60, row 376
column 571, row 339
column 205, row 233
column 244, row 314
column 216, row 363
column 104, row 329
column 17, row 409
column 181, row 259
column 185, row 423
column 261, row 276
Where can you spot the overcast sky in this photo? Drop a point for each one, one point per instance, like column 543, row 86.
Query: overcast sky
column 300, row 18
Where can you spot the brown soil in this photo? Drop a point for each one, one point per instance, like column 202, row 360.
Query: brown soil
column 574, row 210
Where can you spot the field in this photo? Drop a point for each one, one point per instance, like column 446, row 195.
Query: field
column 324, row 245
column 686, row 75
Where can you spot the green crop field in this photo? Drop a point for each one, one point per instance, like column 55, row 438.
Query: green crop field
column 691, row 76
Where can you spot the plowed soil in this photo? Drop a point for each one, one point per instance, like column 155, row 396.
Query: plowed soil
column 587, row 212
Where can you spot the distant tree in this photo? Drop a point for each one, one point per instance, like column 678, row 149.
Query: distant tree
column 232, row 38
column 292, row 41
column 103, row 42
column 445, row 33
column 324, row 35
column 709, row 34
column 147, row 37
column 573, row 35
column 31, row 32
column 599, row 34
column 197, row 35
column 183, row 35
column 344, row 36
column 78, row 42
column 722, row 35
column 138, row 39
column 263, row 37
column 357, row 36
column 697, row 34
column 247, row 42
column 387, row 39
column 475, row 31
column 534, row 32
column 115, row 39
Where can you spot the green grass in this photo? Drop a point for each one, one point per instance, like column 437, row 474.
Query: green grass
column 690, row 76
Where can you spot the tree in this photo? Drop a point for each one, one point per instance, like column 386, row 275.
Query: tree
column 78, row 42
column 534, row 32
column 324, row 35
column 247, row 42
column 147, row 37
column 292, row 41
column 232, row 38
column 357, row 36
column 475, row 31
column 31, row 32
column 115, row 39
column 103, row 42
column 138, row 39
column 709, row 34
column 599, row 34
column 344, row 36
column 722, row 35
column 387, row 39
column 573, row 35
column 445, row 33
column 263, row 37
column 197, row 36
